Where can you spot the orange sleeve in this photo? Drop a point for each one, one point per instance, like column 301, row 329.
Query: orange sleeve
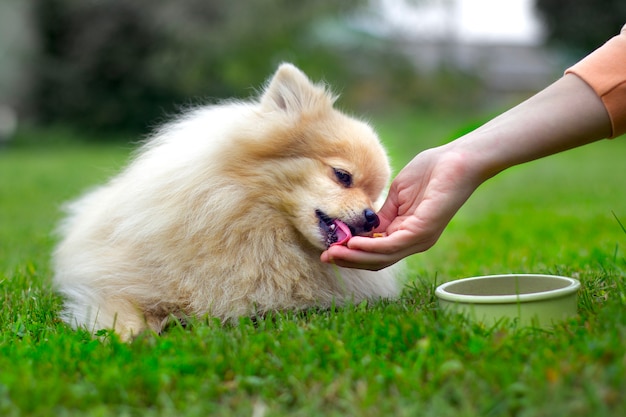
column 605, row 71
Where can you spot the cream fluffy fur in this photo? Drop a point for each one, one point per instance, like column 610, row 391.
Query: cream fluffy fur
column 217, row 215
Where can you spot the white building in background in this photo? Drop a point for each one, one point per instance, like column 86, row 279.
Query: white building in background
column 466, row 21
column 500, row 41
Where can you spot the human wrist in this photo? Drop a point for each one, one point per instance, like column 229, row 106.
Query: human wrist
column 475, row 156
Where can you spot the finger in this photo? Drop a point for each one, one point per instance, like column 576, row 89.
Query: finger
column 348, row 258
column 388, row 212
column 400, row 241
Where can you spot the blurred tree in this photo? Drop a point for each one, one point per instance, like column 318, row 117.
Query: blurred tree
column 118, row 64
column 94, row 67
column 581, row 25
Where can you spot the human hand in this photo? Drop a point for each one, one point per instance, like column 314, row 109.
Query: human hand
column 421, row 201
column 434, row 185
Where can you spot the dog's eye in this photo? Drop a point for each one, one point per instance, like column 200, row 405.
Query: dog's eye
column 344, row 178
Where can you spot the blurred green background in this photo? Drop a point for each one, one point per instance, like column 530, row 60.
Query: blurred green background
column 116, row 66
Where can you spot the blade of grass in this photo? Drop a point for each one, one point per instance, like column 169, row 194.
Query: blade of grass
column 618, row 222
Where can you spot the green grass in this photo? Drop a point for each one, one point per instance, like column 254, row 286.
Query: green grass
column 402, row 358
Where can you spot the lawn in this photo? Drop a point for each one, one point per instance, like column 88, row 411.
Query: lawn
column 402, row 358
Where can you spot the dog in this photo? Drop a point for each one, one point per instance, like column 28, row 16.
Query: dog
column 224, row 212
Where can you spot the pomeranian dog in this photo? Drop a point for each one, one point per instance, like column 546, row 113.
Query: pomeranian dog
column 225, row 212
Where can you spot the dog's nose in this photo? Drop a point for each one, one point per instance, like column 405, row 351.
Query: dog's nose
column 371, row 220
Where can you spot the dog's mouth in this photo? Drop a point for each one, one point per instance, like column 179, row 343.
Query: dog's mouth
column 334, row 231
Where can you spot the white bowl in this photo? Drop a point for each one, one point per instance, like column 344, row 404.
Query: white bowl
column 534, row 300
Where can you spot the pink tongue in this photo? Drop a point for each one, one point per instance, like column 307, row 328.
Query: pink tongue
column 343, row 233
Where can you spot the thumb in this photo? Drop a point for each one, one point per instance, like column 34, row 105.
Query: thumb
column 388, row 212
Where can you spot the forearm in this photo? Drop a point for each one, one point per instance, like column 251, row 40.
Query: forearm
column 565, row 115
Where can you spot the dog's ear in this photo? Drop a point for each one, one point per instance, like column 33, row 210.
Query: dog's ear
column 289, row 90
